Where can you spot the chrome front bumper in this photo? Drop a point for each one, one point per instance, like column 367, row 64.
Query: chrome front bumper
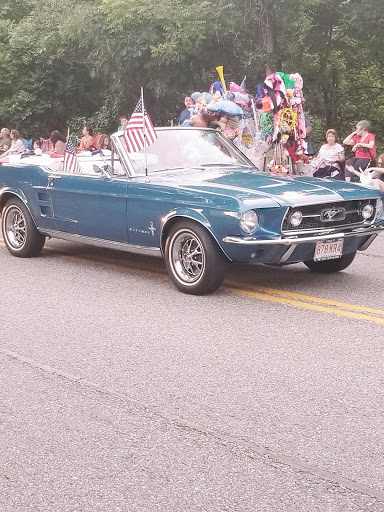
column 374, row 231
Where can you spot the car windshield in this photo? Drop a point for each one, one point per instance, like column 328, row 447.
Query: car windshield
column 186, row 148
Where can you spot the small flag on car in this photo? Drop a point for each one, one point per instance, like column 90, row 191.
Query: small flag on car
column 139, row 132
column 71, row 163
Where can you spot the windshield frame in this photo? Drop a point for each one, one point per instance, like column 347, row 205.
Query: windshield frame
column 121, row 149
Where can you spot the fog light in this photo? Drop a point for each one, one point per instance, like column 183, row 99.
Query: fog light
column 295, row 219
column 367, row 211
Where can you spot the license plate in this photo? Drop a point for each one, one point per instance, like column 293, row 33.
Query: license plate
column 328, row 250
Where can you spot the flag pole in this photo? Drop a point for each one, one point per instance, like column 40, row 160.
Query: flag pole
column 144, row 134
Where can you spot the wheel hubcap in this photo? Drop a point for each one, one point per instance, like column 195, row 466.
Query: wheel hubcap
column 187, row 257
column 15, row 227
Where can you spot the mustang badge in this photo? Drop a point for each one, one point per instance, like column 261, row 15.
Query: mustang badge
column 333, row 214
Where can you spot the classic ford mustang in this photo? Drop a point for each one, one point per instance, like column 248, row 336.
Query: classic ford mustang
column 193, row 198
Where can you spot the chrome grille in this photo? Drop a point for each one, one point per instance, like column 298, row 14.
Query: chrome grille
column 313, row 218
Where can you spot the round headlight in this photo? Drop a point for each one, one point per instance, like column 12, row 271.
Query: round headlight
column 249, row 222
column 379, row 207
column 367, row 211
column 295, row 219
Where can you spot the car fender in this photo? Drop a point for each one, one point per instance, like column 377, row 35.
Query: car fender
column 7, row 192
column 186, row 213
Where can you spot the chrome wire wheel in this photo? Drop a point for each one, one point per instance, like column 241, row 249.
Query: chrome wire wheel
column 187, row 257
column 15, row 228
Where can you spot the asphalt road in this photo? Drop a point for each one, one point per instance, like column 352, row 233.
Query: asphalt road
column 119, row 393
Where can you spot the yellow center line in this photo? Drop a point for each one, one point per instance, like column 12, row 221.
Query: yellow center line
column 300, row 297
column 258, row 292
column 306, row 305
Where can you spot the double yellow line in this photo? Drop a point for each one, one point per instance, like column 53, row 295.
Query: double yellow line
column 298, row 300
column 307, row 302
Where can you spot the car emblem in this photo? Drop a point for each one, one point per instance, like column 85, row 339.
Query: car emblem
column 333, row 214
column 152, row 228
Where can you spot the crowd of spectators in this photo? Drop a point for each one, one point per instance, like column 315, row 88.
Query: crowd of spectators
column 12, row 143
column 363, row 166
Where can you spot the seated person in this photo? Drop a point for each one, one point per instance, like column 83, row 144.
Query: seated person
column 327, row 162
column 379, row 173
column 123, row 123
column 370, row 177
column 363, row 145
column 5, row 141
column 103, row 145
column 35, row 151
column 17, row 145
column 87, row 140
column 59, row 142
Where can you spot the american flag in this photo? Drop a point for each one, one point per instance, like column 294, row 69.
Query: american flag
column 71, row 163
column 139, row 130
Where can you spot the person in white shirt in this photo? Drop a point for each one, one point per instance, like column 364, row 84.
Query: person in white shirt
column 17, row 144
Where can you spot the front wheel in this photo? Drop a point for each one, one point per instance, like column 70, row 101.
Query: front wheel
column 20, row 234
column 330, row 266
column 194, row 261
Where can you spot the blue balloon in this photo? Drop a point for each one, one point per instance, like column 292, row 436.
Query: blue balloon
column 227, row 107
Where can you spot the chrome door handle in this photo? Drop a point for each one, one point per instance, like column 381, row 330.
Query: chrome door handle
column 52, row 178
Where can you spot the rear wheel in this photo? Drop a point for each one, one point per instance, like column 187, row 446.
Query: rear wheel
column 194, row 261
column 20, row 234
column 329, row 266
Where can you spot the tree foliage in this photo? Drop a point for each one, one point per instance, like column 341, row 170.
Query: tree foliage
column 62, row 61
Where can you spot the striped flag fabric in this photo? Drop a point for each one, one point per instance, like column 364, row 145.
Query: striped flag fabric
column 71, row 163
column 139, row 130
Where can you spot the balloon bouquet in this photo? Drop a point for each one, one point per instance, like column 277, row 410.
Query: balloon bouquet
column 236, row 116
column 275, row 121
column 280, row 99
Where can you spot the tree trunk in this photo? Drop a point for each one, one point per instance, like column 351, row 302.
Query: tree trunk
column 270, row 38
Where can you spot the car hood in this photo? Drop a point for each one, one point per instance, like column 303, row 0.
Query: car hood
column 255, row 188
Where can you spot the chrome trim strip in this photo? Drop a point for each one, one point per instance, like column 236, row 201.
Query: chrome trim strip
column 105, row 244
column 328, row 229
column 288, row 241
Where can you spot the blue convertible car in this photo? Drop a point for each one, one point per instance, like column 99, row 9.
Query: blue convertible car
column 192, row 198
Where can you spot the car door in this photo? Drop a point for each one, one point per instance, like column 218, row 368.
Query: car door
column 89, row 205
column 147, row 204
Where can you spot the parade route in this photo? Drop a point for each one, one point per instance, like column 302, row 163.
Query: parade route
column 121, row 393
